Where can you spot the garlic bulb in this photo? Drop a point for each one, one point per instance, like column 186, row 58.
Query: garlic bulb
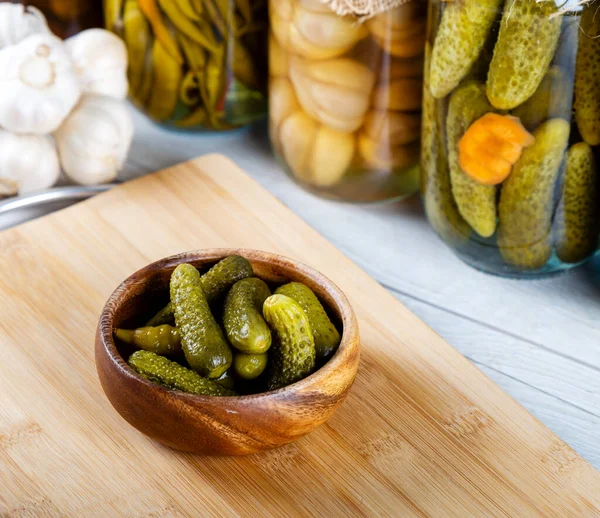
column 27, row 163
column 17, row 22
column 94, row 140
column 38, row 85
column 100, row 59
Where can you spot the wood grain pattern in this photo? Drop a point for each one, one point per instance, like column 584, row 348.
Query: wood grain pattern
column 556, row 320
column 423, row 431
column 231, row 425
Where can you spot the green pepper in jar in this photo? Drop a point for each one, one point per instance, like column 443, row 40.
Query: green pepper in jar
column 163, row 340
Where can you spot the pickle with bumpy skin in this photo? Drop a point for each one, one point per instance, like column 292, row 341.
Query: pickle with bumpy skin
column 224, row 275
column 202, row 339
column 292, row 356
column 244, row 324
column 476, row 202
column 460, row 39
column 552, row 99
column 215, row 283
column 167, row 373
column 163, row 340
column 249, row 366
column 526, row 200
column 587, row 76
column 578, row 217
column 528, row 37
column 440, row 206
column 327, row 337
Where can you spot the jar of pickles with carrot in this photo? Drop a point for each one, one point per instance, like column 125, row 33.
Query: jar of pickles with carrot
column 345, row 85
column 511, row 129
column 195, row 64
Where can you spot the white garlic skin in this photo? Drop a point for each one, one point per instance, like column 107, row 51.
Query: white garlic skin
column 100, row 59
column 27, row 162
column 17, row 22
column 94, row 140
column 38, row 85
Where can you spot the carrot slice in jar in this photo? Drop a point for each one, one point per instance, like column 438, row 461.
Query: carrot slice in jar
column 491, row 146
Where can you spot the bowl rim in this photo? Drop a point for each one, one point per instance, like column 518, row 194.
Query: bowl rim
column 348, row 344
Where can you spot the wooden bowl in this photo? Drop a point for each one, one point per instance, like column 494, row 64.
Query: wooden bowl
column 224, row 425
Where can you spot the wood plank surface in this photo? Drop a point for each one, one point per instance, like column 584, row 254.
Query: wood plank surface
column 471, row 310
column 423, row 433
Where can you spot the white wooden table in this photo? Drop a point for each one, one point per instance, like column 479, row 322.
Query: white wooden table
column 538, row 340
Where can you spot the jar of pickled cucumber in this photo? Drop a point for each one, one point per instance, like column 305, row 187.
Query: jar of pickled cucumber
column 511, row 128
column 345, row 96
column 195, row 64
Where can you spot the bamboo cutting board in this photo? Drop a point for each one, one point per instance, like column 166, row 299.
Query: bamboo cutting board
column 423, row 432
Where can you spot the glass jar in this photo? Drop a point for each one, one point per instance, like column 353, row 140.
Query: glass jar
column 67, row 17
column 345, row 98
column 511, row 125
column 194, row 64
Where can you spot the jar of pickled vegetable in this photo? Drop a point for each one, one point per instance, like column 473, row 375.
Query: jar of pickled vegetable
column 345, row 96
column 511, row 128
column 195, row 64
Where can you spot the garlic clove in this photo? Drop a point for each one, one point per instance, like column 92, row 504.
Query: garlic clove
column 94, row 140
column 284, row 9
column 38, row 84
column 328, row 30
column 278, row 58
column 331, row 156
column 380, row 155
column 17, row 22
column 316, row 5
column 100, row 59
column 397, row 128
column 399, row 94
column 298, row 133
column 283, row 102
column 27, row 163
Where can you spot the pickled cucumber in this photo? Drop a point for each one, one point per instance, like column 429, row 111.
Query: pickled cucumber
column 225, row 274
column 528, row 36
column 327, row 337
column 226, row 380
column 162, row 340
column 202, row 340
column 174, row 376
column 244, row 324
column 164, row 317
column 526, row 200
column 293, row 355
column 578, row 216
column 552, row 99
column 587, row 76
column 435, row 178
column 249, row 366
column 215, row 283
column 461, row 37
column 476, row 202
